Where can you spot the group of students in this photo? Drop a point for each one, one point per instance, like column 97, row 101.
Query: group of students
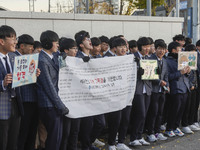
column 170, row 102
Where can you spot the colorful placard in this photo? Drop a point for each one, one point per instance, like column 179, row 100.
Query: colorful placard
column 25, row 67
column 149, row 67
column 187, row 59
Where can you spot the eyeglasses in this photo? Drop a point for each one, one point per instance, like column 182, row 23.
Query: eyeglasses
column 87, row 39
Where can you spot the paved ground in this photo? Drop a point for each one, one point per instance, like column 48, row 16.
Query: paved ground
column 187, row 142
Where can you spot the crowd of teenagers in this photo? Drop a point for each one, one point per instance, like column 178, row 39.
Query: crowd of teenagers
column 34, row 114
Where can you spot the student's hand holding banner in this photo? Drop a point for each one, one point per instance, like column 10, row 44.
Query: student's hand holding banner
column 158, row 70
column 185, row 70
column 86, row 58
column 38, row 72
column 140, row 71
column 7, row 80
column 63, row 110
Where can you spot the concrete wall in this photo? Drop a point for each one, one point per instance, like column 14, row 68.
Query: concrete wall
column 132, row 27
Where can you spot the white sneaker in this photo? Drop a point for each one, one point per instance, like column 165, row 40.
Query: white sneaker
column 121, row 146
column 196, row 124
column 98, row 143
column 111, row 147
column 169, row 133
column 151, row 138
column 135, row 143
column 163, row 127
column 178, row 132
column 194, row 128
column 143, row 142
column 187, row 130
column 160, row 136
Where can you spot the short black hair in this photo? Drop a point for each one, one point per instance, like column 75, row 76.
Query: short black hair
column 25, row 39
column 187, row 41
column 104, row 39
column 160, row 44
column 37, row 44
column 179, row 37
column 80, row 36
column 159, row 40
column 132, row 43
column 190, row 47
column 119, row 36
column 198, row 43
column 173, row 45
column 6, row 31
column 111, row 41
column 66, row 43
column 118, row 42
column 151, row 40
column 95, row 41
column 143, row 41
column 47, row 37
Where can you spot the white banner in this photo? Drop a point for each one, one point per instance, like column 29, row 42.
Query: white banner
column 99, row 86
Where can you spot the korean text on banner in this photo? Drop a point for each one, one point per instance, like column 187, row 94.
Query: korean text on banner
column 99, row 86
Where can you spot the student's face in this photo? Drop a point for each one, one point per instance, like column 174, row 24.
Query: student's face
column 134, row 49
column 181, row 43
column 160, row 52
column 87, row 44
column 27, row 49
column 72, row 51
column 152, row 49
column 198, row 47
column 166, row 51
column 178, row 49
column 8, row 44
column 54, row 47
column 145, row 50
column 96, row 50
column 104, row 46
column 120, row 50
column 126, row 43
column 37, row 50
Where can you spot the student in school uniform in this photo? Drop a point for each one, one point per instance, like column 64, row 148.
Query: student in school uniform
column 133, row 46
column 71, row 126
column 118, row 121
column 179, row 38
column 152, row 48
column 29, row 122
column 142, row 97
column 11, row 108
column 85, row 46
column 159, row 88
column 51, row 108
column 110, row 52
column 96, row 50
column 104, row 44
column 179, row 88
column 37, row 46
column 196, row 118
column 98, row 120
column 188, row 119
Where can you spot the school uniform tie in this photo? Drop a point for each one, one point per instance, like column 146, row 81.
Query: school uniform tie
column 7, row 65
column 160, row 64
column 13, row 94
